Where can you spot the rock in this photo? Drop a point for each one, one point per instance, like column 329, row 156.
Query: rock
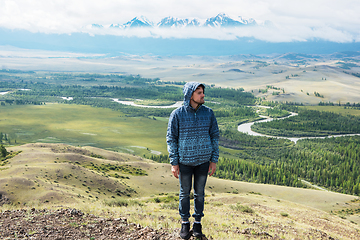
column 4, row 199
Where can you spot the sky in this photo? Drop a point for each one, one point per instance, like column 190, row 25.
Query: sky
column 278, row 20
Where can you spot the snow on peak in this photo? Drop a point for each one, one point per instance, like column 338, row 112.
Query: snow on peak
column 138, row 22
column 219, row 21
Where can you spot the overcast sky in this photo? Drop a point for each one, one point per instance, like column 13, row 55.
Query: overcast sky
column 291, row 20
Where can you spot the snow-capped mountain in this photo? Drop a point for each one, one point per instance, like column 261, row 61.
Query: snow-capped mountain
column 136, row 22
column 97, row 25
column 194, row 23
column 176, row 22
column 115, row 26
column 221, row 20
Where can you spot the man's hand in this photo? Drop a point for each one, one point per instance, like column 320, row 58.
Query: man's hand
column 212, row 168
column 175, row 170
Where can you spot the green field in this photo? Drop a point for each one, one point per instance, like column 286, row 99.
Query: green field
column 336, row 109
column 154, row 102
column 83, row 126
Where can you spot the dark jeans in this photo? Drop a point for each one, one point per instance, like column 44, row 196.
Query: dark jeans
column 200, row 174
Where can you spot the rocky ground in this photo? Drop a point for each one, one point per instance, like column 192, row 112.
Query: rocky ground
column 65, row 224
column 73, row 224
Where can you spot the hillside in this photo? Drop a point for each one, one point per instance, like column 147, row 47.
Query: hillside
column 114, row 185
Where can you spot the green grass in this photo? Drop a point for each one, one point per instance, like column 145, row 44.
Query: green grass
column 155, row 102
column 83, row 125
column 335, row 109
column 241, row 208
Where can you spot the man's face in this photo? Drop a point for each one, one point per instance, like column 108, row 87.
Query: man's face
column 198, row 96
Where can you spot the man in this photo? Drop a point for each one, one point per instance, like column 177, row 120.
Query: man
column 192, row 138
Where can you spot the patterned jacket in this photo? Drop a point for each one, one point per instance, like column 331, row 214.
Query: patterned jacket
column 192, row 136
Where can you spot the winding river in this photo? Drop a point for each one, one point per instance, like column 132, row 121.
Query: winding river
column 131, row 103
column 246, row 128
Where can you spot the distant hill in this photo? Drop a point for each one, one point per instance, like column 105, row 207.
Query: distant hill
column 60, row 173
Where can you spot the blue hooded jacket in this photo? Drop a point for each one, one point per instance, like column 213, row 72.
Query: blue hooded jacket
column 192, row 135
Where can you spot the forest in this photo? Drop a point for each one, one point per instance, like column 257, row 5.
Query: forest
column 332, row 163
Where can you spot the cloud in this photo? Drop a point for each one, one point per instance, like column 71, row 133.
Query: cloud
column 267, row 32
column 296, row 20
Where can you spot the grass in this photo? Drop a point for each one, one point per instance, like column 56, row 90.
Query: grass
column 46, row 176
column 238, row 207
column 284, row 214
column 84, row 126
column 155, row 102
column 336, row 109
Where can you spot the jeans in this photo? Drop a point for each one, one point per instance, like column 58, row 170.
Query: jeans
column 200, row 174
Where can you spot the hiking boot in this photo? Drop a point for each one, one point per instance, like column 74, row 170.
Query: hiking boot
column 197, row 230
column 185, row 231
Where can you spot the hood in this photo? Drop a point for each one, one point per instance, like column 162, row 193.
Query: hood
column 188, row 90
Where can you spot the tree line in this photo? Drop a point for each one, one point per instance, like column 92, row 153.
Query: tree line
column 42, row 90
column 4, row 138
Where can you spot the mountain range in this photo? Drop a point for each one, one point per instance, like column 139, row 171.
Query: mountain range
column 220, row 20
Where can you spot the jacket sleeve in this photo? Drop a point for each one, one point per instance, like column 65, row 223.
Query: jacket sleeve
column 214, row 136
column 172, row 139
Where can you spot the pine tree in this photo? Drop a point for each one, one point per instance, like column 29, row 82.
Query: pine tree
column 3, row 151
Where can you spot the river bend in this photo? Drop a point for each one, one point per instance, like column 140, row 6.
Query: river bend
column 246, row 128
